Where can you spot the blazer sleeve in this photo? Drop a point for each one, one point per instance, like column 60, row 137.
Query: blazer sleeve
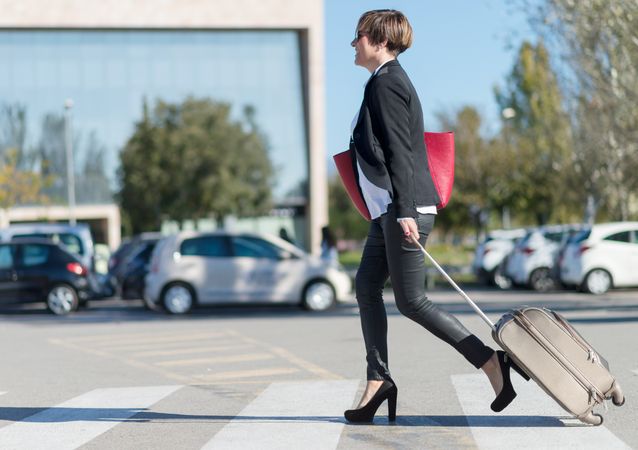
column 389, row 105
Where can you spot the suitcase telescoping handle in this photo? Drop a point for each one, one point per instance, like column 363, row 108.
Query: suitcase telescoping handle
column 455, row 286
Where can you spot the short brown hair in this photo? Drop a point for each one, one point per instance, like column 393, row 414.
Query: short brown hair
column 387, row 25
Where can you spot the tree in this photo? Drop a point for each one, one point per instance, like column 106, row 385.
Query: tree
column 92, row 184
column 470, row 197
column 13, row 131
column 483, row 185
column 595, row 45
column 19, row 186
column 50, row 152
column 191, row 160
column 539, row 133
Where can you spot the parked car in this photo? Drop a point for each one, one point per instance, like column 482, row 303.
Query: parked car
column 491, row 253
column 134, row 270
column 191, row 269
column 38, row 270
column 76, row 239
column 126, row 248
column 603, row 257
column 533, row 258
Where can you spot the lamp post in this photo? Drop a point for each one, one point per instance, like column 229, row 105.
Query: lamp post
column 70, row 171
column 508, row 114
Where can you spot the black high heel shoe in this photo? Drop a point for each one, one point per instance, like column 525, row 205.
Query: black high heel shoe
column 510, row 362
column 387, row 391
column 507, row 394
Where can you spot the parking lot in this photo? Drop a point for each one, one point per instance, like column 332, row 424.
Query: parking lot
column 116, row 374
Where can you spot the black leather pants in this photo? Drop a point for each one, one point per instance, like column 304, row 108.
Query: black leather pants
column 386, row 253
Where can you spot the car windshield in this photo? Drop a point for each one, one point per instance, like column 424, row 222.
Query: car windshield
column 69, row 241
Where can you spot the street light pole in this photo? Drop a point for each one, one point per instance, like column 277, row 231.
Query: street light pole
column 70, row 171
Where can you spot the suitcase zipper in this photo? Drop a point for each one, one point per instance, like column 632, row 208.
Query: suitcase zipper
column 591, row 353
column 586, row 385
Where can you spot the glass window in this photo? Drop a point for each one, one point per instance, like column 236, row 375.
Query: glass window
column 6, row 257
column 254, row 248
column 109, row 73
column 623, row 236
column 210, row 246
column 145, row 255
column 31, row 235
column 555, row 237
column 71, row 242
column 34, row 254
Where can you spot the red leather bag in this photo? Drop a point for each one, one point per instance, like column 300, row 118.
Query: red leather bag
column 440, row 159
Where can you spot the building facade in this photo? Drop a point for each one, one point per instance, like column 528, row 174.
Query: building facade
column 112, row 57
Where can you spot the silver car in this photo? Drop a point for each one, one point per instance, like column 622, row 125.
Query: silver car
column 190, row 268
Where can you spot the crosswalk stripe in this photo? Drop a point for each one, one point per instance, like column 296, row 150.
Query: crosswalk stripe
column 534, row 418
column 248, row 373
column 216, row 360
column 291, row 415
column 81, row 419
column 635, row 372
column 187, row 351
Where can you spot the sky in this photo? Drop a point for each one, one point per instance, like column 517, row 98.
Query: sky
column 462, row 49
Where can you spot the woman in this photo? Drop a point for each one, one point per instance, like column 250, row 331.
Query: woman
column 394, row 178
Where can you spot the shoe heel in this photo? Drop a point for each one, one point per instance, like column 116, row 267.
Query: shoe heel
column 519, row 370
column 392, row 407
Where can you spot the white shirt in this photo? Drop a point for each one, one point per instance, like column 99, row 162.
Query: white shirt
column 376, row 198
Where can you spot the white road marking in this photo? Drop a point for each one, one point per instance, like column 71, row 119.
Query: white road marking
column 635, row 372
column 185, row 351
column 143, row 336
column 216, row 360
column 532, row 421
column 231, row 375
column 293, row 415
column 81, row 419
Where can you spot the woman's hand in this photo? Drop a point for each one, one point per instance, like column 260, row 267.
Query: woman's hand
column 410, row 229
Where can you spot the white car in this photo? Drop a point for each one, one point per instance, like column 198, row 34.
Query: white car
column 601, row 258
column 490, row 254
column 533, row 258
column 192, row 268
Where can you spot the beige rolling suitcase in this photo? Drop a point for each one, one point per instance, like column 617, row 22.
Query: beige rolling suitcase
column 566, row 366
column 550, row 351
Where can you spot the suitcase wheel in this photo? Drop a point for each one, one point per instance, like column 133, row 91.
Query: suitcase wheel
column 620, row 403
column 592, row 419
column 601, row 420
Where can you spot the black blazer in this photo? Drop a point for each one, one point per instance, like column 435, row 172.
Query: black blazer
column 388, row 143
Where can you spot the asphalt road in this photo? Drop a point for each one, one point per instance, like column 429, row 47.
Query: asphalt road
column 117, row 376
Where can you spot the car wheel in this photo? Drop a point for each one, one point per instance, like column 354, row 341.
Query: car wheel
column 178, row 298
column 318, row 296
column 541, row 280
column 598, row 281
column 501, row 280
column 62, row 299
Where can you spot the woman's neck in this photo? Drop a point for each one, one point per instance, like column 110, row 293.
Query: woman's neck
column 378, row 62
